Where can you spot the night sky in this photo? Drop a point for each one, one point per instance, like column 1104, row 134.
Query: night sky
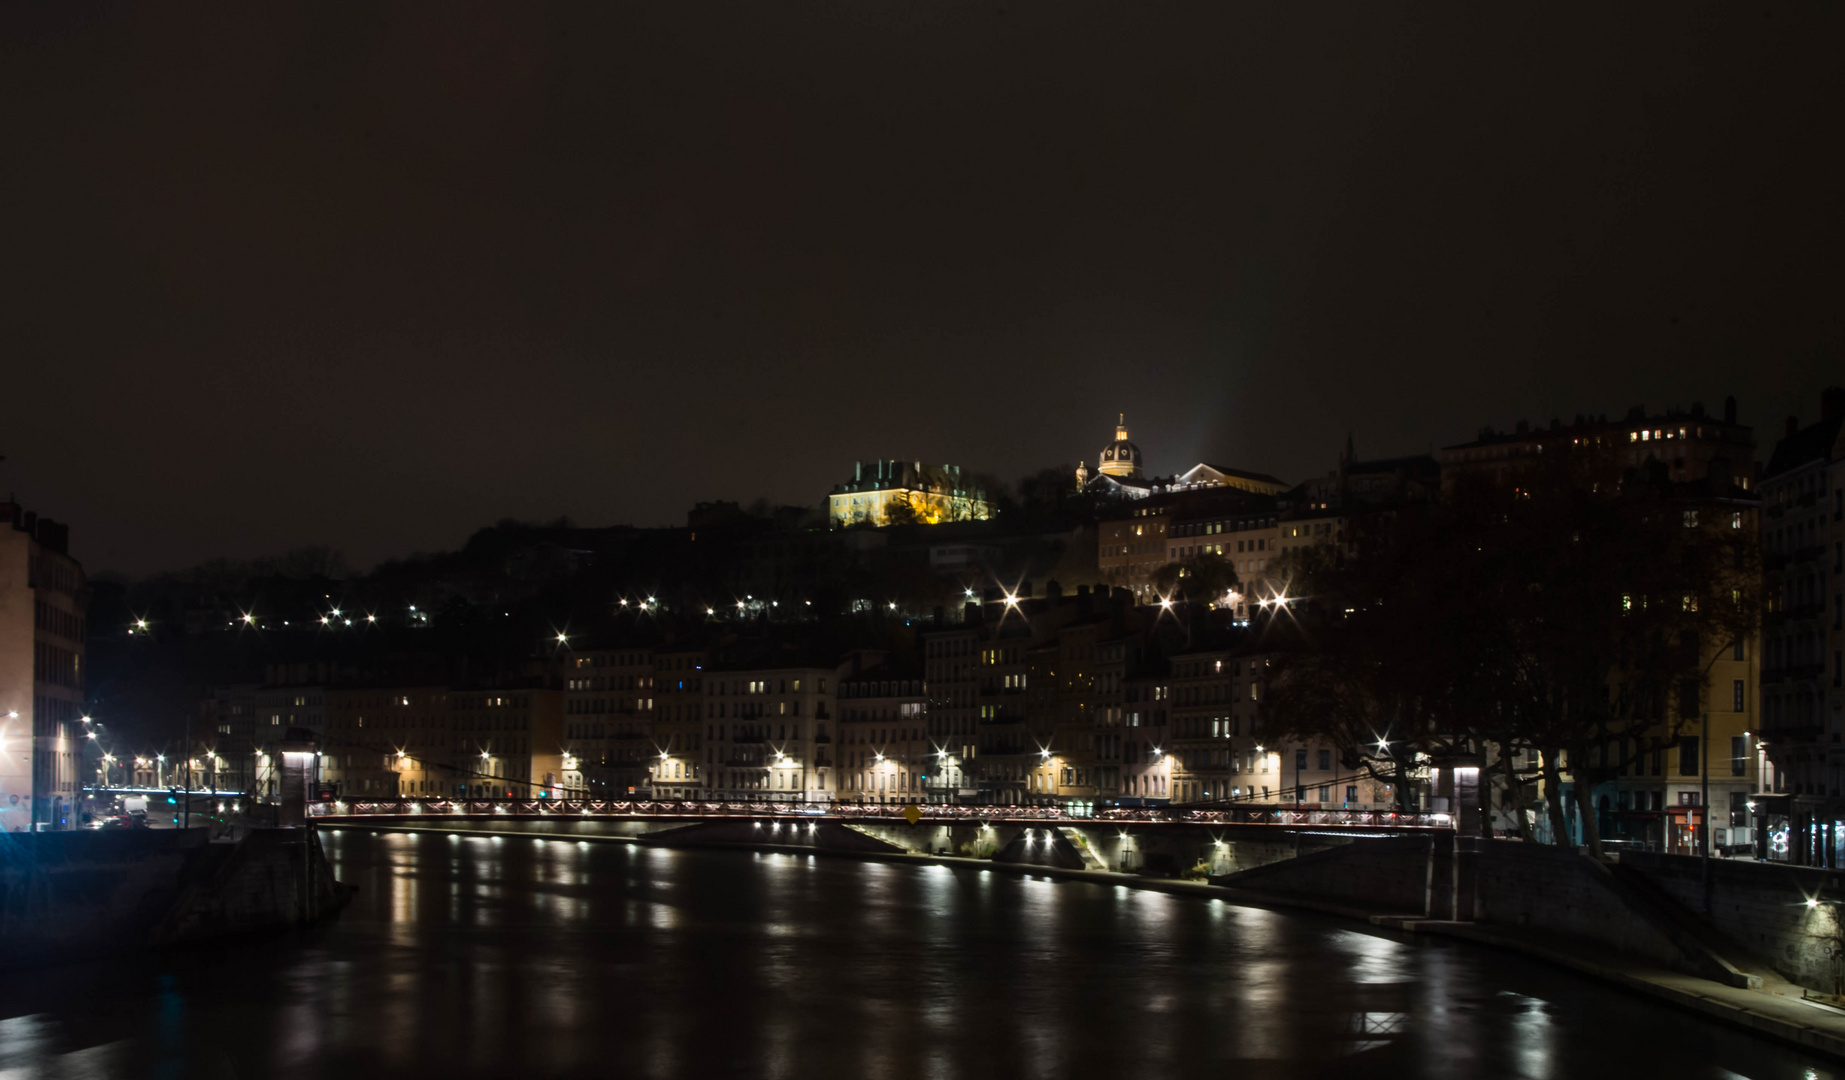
column 374, row 275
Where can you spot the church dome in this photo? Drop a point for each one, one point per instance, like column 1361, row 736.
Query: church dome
column 1121, row 457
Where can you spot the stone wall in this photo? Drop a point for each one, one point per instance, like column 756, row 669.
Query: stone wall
column 67, row 896
column 270, row 879
column 1386, row 874
column 1560, row 892
column 1762, row 907
column 75, row 894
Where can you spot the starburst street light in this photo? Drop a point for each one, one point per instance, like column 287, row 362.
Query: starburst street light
column 562, row 638
column 249, row 619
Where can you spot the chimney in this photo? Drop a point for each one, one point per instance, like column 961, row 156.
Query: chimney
column 1729, row 409
column 1832, row 403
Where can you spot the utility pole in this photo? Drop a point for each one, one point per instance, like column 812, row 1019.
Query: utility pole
column 186, row 807
column 1704, row 808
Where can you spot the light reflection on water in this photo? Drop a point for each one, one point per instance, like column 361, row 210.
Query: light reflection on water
column 505, row 957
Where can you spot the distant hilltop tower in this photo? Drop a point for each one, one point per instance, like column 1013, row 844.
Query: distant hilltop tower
column 1120, row 458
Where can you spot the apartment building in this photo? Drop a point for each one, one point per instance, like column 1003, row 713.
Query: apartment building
column 609, row 722
column 885, row 752
column 43, row 596
column 1802, row 734
column 951, row 665
column 507, row 740
column 768, row 732
column 678, row 745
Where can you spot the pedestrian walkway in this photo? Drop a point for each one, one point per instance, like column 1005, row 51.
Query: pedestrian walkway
column 1777, row 1009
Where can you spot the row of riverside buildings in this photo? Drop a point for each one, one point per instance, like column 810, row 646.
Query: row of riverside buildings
column 1069, row 699
column 1086, row 693
column 1098, row 694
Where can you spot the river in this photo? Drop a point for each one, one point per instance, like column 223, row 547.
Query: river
column 513, row 957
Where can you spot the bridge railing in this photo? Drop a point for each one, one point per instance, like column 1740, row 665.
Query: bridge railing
column 1274, row 815
column 935, row 812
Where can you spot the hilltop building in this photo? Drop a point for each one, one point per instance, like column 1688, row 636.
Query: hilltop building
column 906, row 492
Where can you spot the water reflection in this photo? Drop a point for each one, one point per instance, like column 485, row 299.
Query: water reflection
column 503, row 957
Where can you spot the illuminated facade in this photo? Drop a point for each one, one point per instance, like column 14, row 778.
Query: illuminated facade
column 1121, row 457
column 43, row 593
column 1206, row 476
column 904, row 492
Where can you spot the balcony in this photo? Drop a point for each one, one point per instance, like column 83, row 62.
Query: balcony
column 1798, row 613
column 1793, row 673
column 1779, row 736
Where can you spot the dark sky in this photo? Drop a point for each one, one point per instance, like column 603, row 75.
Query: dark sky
column 374, row 275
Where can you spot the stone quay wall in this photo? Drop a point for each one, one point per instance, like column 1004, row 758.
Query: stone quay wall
column 1764, row 908
column 73, row 895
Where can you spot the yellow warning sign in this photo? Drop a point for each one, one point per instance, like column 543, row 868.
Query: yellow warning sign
column 911, row 814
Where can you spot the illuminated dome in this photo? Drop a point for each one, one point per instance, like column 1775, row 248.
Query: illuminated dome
column 1121, row 457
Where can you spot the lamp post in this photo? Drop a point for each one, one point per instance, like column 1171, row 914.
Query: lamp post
column 1704, row 808
column 186, row 807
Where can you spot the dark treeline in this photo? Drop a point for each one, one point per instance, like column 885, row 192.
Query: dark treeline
column 1527, row 629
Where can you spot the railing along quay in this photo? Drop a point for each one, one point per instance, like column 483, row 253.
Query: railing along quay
column 934, row 812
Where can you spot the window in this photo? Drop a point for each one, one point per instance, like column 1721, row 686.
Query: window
column 1688, row 755
column 1325, row 760
column 1300, row 759
column 1739, row 754
column 1737, row 702
column 1351, row 794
